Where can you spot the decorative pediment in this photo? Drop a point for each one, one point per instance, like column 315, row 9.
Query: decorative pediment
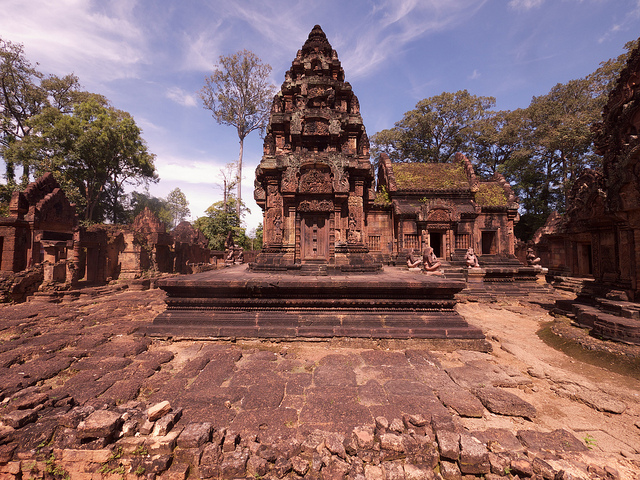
column 438, row 211
column 315, row 181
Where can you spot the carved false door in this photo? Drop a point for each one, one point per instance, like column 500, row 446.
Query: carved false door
column 314, row 238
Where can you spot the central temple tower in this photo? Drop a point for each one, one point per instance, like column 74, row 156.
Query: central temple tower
column 315, row 180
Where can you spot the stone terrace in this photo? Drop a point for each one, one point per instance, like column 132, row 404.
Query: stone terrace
column 86, row 394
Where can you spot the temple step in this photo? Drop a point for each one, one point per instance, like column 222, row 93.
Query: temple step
column 240, row 303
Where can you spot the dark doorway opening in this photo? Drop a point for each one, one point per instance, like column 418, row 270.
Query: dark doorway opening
column 488, row 241
column 435, row 241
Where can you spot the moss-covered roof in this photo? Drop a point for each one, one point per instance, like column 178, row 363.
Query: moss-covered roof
column 430, row 176
column 491, row 194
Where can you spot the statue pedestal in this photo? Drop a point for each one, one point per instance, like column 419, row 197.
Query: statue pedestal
column 475, row 275
column 239, row 303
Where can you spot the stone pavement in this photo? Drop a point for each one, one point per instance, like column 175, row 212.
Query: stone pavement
column 85, row 394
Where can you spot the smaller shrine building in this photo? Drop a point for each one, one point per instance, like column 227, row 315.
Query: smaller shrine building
column 444, row 206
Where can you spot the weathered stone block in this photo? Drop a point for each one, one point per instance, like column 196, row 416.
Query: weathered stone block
column 100, row 424
column 448, row 444
column 234, row 464
column 163, row 445
column 450, row 471
column 474, row 456
column 501, row 402
column 158, row 410
column 195, row 435
column 19, row 418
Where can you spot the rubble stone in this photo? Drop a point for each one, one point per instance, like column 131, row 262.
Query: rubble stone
column 474, row 456
column 158, row 410
column 20, row 418
column 100, row 424
column 195, row 435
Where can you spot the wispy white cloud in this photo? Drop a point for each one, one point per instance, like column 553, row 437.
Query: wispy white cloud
column 393, row 25
column 475, row 75
column 629, row 19
column 77, row 36
column 525, row 4
column 181, row 97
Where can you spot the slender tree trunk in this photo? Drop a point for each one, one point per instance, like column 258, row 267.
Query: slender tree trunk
column 239, row 179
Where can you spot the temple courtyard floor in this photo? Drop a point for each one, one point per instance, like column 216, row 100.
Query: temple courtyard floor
column 85, row 393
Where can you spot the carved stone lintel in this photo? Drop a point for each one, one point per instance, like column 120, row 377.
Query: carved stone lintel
column 316, row 206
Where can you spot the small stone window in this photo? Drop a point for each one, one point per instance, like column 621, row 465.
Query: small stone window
column 463, row 241
column 374, row 243
column 412, row 240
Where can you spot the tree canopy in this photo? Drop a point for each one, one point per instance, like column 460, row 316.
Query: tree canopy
column 436, row 129
column 540, row 149
column 239, row 94
column 178, row 206
column 219, row 221
column 47, row 123
column 93, row 152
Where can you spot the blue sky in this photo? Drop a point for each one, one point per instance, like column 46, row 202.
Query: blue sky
column 150, row 58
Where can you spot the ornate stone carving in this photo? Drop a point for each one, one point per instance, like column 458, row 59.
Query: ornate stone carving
column 290, row 179
column 316, row 206
column 314, row 181
column 320, row 147
column 295, row 127
column 438, row 215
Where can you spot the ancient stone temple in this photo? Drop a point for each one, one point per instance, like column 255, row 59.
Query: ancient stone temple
column 444, row 206
column 40, row 228
column 315, row 179
column 315, row 185
column 598, row 237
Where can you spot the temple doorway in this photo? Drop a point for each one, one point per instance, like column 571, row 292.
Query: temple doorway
column 314, row 238
column 488, row 243
column 585, row 265
column 435, row 242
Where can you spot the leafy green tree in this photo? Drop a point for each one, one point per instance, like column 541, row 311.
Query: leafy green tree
column 219, row 221
column 257, row 242
column 436, row 129
column 94, row 151
column 498, row 137
column 136, row 202
column 20, row 98
column 24, row 93
column 178, row 206
column 239, row 94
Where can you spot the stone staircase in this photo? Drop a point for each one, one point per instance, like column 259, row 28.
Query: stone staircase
column 606, row 318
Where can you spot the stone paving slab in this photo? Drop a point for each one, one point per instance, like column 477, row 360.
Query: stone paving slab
column 408, row 411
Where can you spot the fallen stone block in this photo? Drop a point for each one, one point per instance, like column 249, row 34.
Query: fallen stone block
column 29, row 401
column 501, row 402
column 257, row 466
column 156, row 464
column 83, row 456
column 177, row 471
column 450, row 471
column 195, row 435
column 158, row 410
column 164, row 424
column 415, row 472
column 392, row 470
column 234, row 464
column 448, row 444
column 374, row 472
column 162, row 445
column 558, row 440
column 474, row 456
column 462, row 401
column 100, row 424
column 299, row 465
column 20, row 418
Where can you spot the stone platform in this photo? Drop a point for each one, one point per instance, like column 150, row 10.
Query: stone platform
column 239, row 303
